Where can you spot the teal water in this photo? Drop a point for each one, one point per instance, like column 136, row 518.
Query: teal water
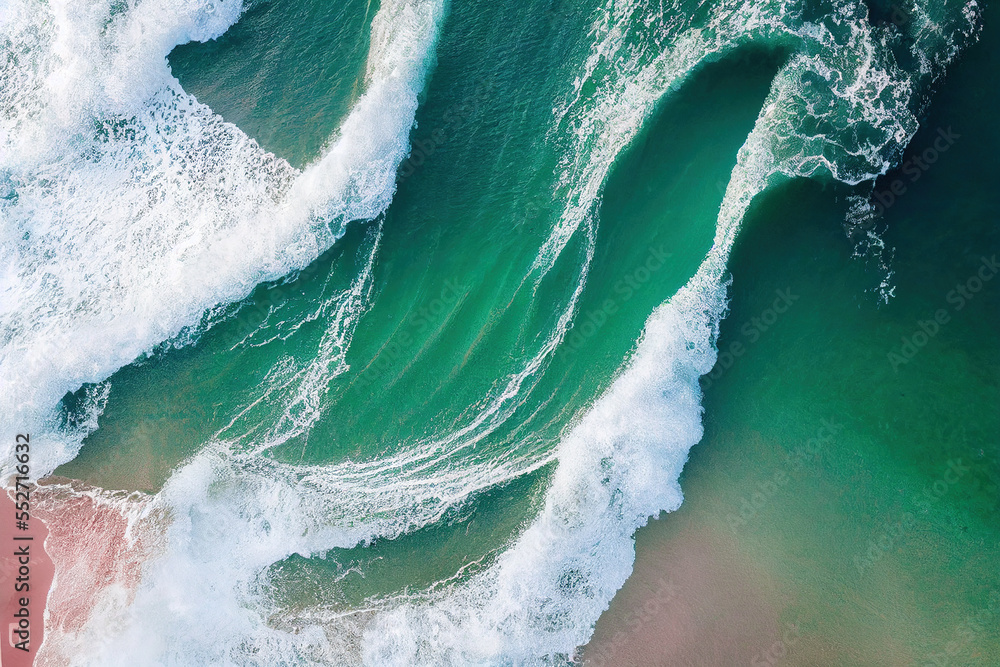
column 399, row 337
column 871, row 543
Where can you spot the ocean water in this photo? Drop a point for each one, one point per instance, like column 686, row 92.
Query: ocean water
column 381, row 328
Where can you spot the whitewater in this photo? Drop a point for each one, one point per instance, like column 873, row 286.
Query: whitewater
column 202, row 214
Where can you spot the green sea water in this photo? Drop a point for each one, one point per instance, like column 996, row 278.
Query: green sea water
column 432, row 443
column 879, row 542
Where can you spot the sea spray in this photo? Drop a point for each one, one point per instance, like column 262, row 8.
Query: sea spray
column 231, row 511
column 199, row 212
column 620, row 464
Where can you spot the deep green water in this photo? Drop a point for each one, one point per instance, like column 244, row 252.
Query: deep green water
column 878, row 549
column 431, row 440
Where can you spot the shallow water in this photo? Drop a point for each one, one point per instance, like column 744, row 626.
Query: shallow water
column 878, row 544
column 404, row 396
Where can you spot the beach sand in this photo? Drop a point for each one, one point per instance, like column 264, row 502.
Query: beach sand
column 98, row 556
column 39, row 580
column 692, row 600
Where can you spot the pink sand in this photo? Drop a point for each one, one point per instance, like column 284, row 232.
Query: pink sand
column 39, row 581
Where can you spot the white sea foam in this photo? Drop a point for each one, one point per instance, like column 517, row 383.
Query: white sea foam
column 620, row 464
column 230, row 513
column 130, row 208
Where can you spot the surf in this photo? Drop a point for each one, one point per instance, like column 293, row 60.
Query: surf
column 840, row 107
column 202, row 214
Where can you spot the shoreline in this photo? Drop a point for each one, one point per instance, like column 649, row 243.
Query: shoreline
column 39, row 583
column 692, row 599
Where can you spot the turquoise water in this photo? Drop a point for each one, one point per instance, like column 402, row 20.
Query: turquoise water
column 878, row 544
column 398, row 318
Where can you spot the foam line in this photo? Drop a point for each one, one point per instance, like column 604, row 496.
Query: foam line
column 131, row 208
column 230, row 512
